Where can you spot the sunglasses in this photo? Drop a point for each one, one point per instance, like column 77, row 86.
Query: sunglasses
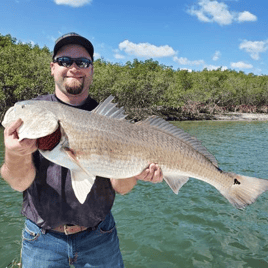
column 67, row 62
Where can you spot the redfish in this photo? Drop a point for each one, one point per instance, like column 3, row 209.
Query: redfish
column 103, row 143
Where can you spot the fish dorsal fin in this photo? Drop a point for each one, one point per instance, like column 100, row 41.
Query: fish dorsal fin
column 109, row 109
column 164, row 126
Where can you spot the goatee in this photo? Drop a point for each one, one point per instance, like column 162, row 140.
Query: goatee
column 75, row 90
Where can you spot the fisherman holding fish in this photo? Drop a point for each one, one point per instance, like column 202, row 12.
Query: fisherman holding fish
column 61, row 230
column 67, row 196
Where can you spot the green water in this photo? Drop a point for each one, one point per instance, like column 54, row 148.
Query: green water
column 197, row 227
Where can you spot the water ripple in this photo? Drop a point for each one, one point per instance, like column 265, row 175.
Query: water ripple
column 196, row 228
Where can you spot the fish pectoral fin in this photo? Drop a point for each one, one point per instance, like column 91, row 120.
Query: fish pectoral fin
column 175, row 182
column 82, row 183
column 71, row 155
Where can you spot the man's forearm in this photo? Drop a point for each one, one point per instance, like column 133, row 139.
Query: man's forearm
column 18, row 171
column 123, row 186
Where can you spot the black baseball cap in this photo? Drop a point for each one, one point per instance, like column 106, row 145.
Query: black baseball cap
column 73, row 38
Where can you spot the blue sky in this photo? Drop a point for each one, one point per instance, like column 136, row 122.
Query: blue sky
column 186, row 34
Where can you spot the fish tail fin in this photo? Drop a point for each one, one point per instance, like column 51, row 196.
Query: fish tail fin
column 244, row 190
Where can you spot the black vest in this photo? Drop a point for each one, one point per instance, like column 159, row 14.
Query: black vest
column 50, row 200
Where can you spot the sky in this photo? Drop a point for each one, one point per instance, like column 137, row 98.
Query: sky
column 182, row 34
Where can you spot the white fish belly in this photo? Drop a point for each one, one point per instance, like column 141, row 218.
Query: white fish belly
column 105, row 166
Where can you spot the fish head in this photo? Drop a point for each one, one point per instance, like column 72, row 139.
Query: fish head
column 38, row 121
column 9, row 117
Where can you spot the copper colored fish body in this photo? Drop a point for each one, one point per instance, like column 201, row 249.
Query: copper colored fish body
column 102, row 143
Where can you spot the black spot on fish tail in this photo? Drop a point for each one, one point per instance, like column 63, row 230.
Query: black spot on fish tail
column 236, row 182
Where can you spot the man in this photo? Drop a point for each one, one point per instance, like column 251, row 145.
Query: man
column 59, row 231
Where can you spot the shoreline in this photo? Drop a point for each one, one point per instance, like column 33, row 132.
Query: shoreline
column 204, row 114
column 234, row 116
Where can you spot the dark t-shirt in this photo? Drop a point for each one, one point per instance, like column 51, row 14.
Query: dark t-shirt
column 50, row 200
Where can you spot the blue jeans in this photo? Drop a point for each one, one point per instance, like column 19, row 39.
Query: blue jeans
column 97, row 248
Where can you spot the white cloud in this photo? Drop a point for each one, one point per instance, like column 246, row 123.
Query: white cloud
column 97, row 55
column 185, row 61
column 246, row 16
column 216, row 55
column 119, row 56
column 214, row 11
column 32, row 43
column 146, row 50
column 254, row 48
column 241, row 65
column 73, row 3
column 186, row 69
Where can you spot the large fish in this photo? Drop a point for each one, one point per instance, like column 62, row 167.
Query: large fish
column 103, row 143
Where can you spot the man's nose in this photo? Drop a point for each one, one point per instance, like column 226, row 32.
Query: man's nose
column 74, row 66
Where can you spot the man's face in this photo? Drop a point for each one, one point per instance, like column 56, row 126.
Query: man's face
column 72, row 80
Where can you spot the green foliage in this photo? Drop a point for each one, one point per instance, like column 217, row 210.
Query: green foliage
column 141, row 86
column 24, row 71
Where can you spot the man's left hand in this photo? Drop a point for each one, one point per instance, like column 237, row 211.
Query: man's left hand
column 153, row 174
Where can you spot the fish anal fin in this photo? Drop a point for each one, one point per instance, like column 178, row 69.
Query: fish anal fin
column 175, row 182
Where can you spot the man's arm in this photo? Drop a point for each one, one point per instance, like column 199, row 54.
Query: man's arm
column 18, row 169
column 152, row 174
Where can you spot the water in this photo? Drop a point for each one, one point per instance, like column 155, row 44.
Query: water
column 197, row 227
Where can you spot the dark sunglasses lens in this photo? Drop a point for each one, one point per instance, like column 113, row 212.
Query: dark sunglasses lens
column 65, row 61
column 83, row 63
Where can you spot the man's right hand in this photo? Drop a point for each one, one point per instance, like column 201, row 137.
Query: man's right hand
column 18, row 169
column 12, row 143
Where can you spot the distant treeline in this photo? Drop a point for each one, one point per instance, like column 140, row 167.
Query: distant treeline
column 143, row 87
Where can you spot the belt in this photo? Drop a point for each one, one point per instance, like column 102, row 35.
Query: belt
column 70, row 229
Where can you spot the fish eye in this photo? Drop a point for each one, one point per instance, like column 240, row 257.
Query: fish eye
column 22, row 106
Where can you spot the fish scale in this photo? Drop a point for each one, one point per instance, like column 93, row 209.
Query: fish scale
column 102, row 143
